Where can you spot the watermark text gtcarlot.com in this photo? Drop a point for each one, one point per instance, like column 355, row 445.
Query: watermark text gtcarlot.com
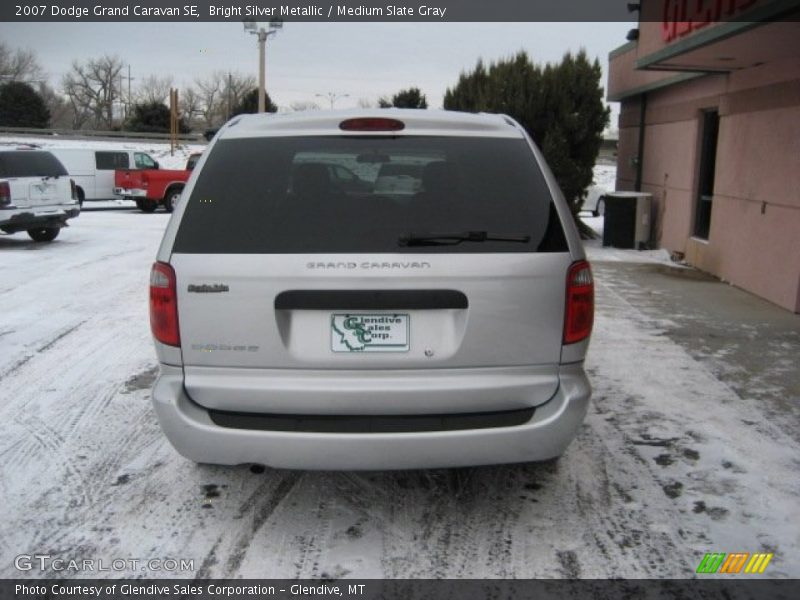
column 46, row 562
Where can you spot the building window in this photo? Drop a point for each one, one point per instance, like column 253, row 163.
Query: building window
column 705, row 183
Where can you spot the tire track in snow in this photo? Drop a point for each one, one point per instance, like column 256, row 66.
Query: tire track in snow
column 42, row 349
column 318, row 536
column 140, row 433
column 262, row 511
column 48, row 443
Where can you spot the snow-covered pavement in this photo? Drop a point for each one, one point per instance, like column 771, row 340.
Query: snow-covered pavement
column 671, row 463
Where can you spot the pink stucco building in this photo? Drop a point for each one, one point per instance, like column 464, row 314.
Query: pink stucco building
column 710, row 125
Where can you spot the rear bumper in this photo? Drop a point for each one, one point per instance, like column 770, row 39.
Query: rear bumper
column 191, row 431
column 14, row 219
column 130, row 192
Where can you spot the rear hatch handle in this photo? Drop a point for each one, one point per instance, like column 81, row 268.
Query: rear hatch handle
column 370, row 300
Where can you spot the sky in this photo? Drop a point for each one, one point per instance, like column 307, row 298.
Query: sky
column 359, row 60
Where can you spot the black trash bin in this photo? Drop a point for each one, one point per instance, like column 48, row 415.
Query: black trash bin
column 626, row 222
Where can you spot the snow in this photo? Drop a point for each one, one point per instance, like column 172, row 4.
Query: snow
column 671, row 462
column 605, row 176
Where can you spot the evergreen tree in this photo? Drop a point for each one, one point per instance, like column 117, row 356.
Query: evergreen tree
column 153, row 117
column 22, row 106
column 249, row 104
column 559, row 105
column 410, row 98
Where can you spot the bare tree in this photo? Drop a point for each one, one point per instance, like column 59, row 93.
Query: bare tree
column 153, row 89
column 209, row 91
column 237, row 87
column 220, row 92
column 19, row 65
column 191, row 105
column 92, row 87
column 60, row 112
column 365, row 103
column 300, row 106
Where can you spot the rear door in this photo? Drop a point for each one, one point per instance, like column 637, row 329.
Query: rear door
column 279, row 266
column 107, row 162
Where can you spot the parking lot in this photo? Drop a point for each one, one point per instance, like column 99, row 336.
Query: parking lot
column 690, row 446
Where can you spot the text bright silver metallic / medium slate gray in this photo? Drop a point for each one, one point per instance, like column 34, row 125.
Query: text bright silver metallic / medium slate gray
column 375, row 289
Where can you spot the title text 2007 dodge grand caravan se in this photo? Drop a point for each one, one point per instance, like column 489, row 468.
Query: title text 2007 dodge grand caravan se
column 371, row 290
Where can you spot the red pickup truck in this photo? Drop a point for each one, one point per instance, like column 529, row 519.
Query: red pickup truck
column 153, row 187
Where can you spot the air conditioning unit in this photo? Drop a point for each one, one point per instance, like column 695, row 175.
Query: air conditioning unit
column 628, row 221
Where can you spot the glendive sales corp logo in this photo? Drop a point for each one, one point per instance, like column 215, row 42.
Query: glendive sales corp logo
column 733, row 563
column 369, row 333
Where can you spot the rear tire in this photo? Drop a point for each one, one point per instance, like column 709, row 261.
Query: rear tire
column 171, row 198
column 44, row 234
column 148, row 206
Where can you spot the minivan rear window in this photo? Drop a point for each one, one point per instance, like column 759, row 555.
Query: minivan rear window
column 30, row 163
column 366, row 194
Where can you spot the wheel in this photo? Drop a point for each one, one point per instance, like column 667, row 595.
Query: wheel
column 171, row 198
column 148, row 206
column 81, row 196
column 139, row 203
column 44, row 234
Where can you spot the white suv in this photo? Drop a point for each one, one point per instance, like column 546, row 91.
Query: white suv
column 36, row 195
column 306, row 322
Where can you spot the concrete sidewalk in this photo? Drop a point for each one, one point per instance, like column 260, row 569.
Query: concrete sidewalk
column 749, row 344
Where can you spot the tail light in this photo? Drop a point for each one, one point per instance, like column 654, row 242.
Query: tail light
column 371, row 124
column 5, row 193
column 579, row 314
column 73, row 189
column 164, row 305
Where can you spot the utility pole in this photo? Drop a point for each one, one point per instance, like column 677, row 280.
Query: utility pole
column 128, row 102
column 122, row 101
column 173, row 120
column 263, row 34
column 230, row 89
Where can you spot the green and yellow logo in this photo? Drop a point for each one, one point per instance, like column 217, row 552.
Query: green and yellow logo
column 734, row 563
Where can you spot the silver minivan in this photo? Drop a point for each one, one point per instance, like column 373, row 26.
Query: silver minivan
column 307, row 314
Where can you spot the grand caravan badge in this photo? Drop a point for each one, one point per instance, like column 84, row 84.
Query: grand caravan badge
column 369, row 333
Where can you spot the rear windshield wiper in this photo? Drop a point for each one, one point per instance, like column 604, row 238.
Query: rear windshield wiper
column 453, row 238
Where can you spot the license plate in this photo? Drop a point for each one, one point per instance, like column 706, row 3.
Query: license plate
column 42, row 191
column 369, row 333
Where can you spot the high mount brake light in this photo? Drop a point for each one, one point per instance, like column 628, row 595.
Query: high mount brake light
column 164, row 305
column 579, row 313
column 372, row 124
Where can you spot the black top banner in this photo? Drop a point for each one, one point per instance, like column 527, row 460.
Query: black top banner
column 397, row 10
column 310, row 10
